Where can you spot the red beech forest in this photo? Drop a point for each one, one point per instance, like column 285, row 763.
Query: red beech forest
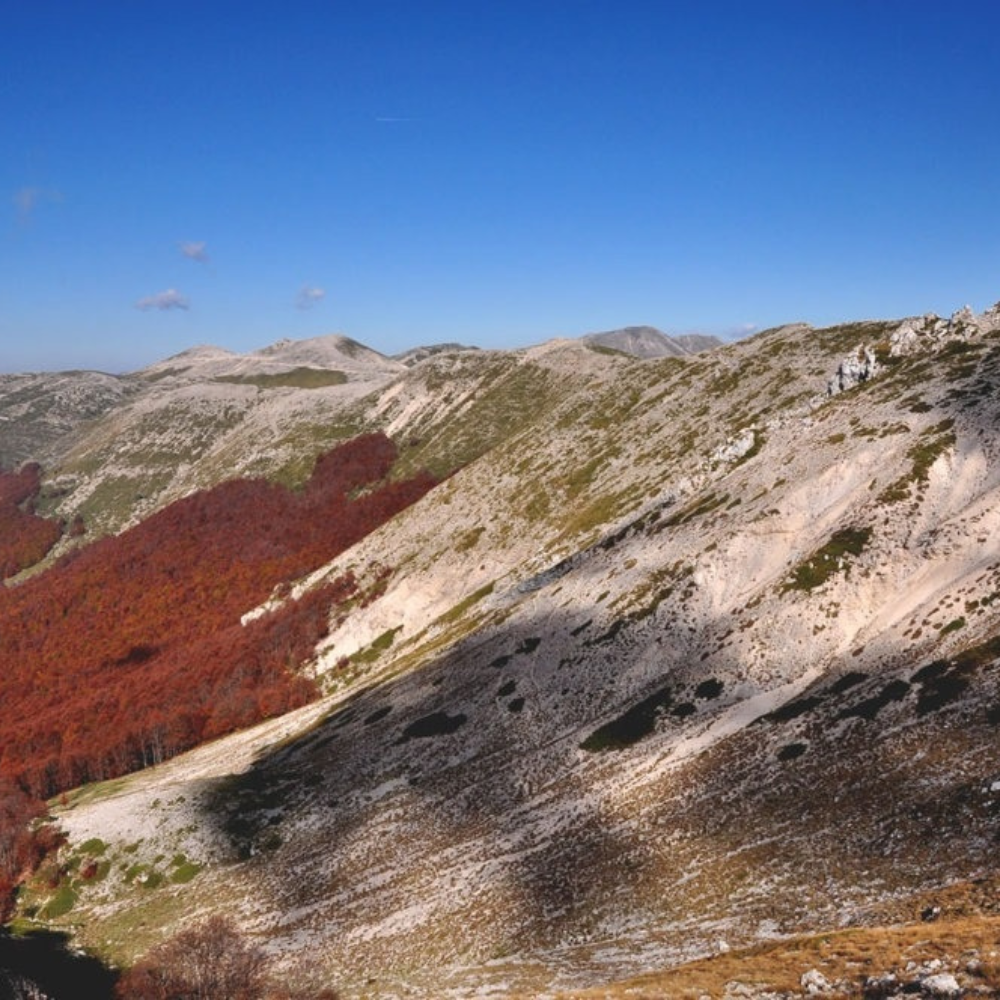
column 130, row 649
column 24, row 537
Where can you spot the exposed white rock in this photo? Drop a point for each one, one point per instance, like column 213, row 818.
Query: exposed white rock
column 931, row 332
column 941, row 984
column 859, row 366
column 736, row 448
column 814, row 982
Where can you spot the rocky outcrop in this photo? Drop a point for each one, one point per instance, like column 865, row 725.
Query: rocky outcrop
column 911, row 336
column 736, row 448
column 859, row 366
column 931, row 332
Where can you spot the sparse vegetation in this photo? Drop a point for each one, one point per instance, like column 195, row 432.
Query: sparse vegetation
column 546, row 759
column 209, row 961
column 933, row 443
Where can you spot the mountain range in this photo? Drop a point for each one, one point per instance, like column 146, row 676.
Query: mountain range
column 679, row 648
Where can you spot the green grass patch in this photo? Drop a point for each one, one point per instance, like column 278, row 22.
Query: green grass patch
column 453, row 614
column 953, row 626
column 828, row 560
column 60, row 904
column 296, row 378
column 933, row 443
column 184, row 873
column 377, row 646
column 144, row 875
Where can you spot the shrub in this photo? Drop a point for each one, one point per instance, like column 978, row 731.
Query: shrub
column 208, row 962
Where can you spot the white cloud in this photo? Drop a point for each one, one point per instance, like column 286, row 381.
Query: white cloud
column 27, row 199
column 194, row 251
column 170, row 299
column 309, row 296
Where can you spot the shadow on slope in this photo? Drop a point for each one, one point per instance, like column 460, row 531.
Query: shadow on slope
column 465, row 811
column 524, row 792
column 42, row 965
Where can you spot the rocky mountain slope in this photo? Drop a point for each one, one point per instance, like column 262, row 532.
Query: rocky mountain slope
column 685, row 651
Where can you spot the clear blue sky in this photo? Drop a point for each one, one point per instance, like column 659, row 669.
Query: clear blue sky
column 491, row 172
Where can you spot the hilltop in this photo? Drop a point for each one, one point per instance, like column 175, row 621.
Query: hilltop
column 683, row 654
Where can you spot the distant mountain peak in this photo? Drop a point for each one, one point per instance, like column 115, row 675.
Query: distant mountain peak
column 648, row 342
column 331, row 351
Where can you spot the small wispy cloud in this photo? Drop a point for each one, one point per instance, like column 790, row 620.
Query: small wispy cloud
column 162, row 301
column 194, row 251
column 28, row 198
column 309, row 296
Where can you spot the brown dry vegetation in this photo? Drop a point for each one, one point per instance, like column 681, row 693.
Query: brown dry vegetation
column 847, row 956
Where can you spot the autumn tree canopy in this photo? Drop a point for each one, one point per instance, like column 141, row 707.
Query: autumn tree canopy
column 130, row 649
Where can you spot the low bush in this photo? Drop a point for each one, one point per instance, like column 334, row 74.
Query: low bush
column 210, row 961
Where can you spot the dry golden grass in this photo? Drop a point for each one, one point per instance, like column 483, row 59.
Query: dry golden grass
column 849, row 956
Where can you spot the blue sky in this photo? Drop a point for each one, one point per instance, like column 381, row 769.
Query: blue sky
column 490, row 172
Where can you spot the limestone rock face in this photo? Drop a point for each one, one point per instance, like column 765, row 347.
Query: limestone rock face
column 931, row 332
column 737, row 447
column 859, row 366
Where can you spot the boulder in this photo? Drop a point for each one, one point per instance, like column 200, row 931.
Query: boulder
column 814, row 982
column 941, row 984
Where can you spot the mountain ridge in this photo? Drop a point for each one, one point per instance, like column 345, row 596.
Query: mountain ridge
column 683, row 649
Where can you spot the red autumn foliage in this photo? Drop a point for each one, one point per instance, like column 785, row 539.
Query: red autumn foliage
column 131, row 649
column 25, row 538
column 21, row 847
